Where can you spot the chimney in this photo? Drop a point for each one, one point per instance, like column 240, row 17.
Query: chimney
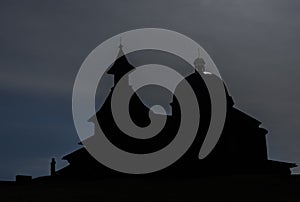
column 52, row 167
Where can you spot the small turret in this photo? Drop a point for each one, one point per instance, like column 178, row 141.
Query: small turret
column 199, row 63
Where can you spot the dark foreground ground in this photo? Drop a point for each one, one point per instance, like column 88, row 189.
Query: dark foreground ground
column 234, row 188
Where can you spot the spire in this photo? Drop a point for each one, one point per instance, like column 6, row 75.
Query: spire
column 121, row 66
column 121, row 53
column 120, row 46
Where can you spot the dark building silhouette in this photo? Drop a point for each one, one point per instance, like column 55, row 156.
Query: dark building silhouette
column 241, row 148
column 23, row 178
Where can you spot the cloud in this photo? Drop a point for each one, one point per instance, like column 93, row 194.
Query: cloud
column 255, row 45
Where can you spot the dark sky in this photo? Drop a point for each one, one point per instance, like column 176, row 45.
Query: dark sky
column 254, row 43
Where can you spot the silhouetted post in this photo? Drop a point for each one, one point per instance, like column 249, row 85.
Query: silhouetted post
column 52, row 165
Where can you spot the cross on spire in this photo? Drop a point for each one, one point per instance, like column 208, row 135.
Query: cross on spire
column 120, row 46
column 121, row 53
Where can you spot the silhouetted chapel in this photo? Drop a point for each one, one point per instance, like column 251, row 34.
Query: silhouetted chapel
column 241, row 148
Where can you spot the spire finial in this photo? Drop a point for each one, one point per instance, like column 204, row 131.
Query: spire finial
column 199, row 52
column 121, row 53
column 120, row 46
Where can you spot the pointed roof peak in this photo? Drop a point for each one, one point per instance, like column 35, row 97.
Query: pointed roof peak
column 121, row 65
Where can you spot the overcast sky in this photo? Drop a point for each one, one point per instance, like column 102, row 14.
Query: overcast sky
column 254, row 43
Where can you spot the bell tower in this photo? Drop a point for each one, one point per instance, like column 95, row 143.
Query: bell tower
column 121, row 66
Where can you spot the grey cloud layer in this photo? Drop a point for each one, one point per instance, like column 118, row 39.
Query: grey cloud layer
column 255, row 45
